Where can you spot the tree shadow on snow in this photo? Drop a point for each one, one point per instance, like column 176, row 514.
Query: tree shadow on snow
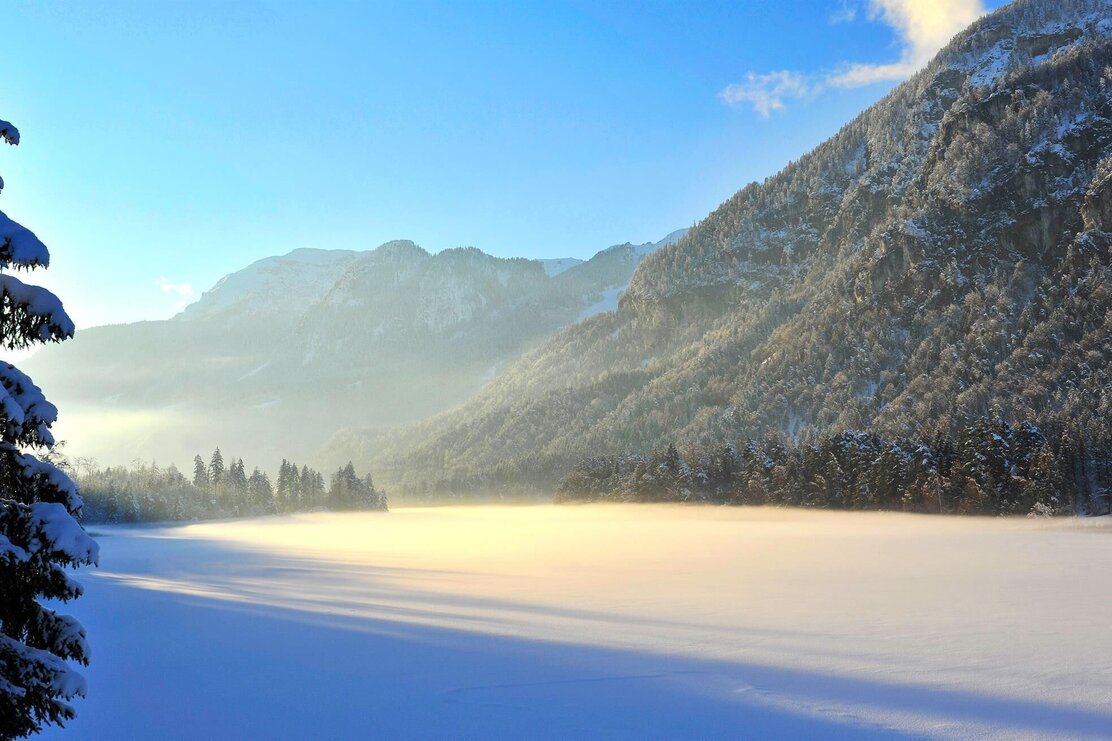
column 354, row 652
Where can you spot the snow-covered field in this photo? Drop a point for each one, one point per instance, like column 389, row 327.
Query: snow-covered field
column 600, row 621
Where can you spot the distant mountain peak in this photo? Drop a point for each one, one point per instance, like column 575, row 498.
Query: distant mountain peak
column 673, row 237
column 555, row 265
column 272, row 284
column 326, row 338
column 400, row 247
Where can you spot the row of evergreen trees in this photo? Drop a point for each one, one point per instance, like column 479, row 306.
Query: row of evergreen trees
column 150, row 493
column 990, row 467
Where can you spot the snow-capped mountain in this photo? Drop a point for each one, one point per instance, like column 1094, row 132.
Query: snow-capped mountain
column 558, row 265
column 943, row 254
column 320, row 340
column 273, row 285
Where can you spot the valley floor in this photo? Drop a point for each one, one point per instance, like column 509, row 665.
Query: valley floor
column 599, row 621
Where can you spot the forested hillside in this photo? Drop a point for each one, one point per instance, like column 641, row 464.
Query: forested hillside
column 278, row 356
column 945, row 254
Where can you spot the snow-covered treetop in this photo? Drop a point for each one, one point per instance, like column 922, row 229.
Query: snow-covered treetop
column 28, row 314
column 39, row 535
column 19, row 247
column 8, row 132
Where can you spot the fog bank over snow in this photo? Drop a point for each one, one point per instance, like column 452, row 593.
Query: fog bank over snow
column 615, row 621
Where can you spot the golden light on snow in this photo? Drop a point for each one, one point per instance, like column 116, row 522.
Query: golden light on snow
column 969, row 604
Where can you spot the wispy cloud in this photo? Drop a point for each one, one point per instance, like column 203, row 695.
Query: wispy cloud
column 183, row 291
column 921, row 26
column 766, row 92
column 845, row 13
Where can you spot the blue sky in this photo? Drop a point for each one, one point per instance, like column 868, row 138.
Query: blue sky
column 166, row 144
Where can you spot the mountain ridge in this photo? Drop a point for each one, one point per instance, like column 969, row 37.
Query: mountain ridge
column 316, row 339
column 889, row 279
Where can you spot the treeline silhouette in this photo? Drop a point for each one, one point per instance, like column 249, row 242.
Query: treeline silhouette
column 150, row 493
column 989, row 468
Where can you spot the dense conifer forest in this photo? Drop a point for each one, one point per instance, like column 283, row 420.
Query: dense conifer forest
column 990, row 467
column 147, row 492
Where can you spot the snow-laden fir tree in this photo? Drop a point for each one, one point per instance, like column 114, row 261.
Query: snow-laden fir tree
column 259, row 492
column 39, row 536
column 216, row 469
column 349, row 492
column 200, row 473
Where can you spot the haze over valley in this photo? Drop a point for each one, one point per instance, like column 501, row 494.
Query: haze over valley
column 834, row 461
column 318, row 341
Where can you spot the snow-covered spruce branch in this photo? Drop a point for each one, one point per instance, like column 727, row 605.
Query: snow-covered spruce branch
column 40, row 538
column 10, row 134
column 19, row 247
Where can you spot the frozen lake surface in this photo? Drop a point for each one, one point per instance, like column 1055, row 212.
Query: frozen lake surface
column 600, row 621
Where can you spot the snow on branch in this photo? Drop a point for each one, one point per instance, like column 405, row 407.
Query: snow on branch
column 31, row 314
column 39, row 670
column 40, row 536
column 46, row 532
column 61, row 534
column 19, row 247
column 25, row 413
column 8, row 132
column 46, row 481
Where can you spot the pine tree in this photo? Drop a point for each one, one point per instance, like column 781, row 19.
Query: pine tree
column 311, row 488
column 372, row 497
column 282, row 494
column 39, row 536
column 888, row 476
column 216, row 467
column 673, row 464
column 295, row 494
column 237, row 477
column 259, row 492
column 1045, row 492
column 200, row 473
column 344, row 490
column 235, row 494
column 348, row 491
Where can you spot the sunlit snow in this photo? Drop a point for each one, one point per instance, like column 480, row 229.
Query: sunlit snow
column 613, row 621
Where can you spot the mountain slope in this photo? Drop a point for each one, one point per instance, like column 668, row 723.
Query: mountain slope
column 946, row 251
column 278, row 356
column 272, row 286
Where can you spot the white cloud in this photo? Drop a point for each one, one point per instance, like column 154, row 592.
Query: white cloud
column 846, row 13
column 921, row 26
column 766, row 92
column 183, row 291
